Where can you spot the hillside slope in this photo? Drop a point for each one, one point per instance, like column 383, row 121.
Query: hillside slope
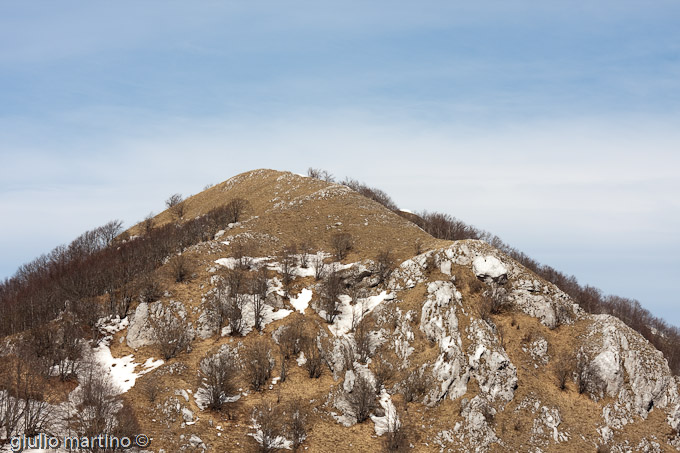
column 434, row 346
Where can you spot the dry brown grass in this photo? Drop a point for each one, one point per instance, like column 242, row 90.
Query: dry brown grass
column 281, row 211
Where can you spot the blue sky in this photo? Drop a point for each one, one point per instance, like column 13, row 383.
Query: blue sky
column 551, row 124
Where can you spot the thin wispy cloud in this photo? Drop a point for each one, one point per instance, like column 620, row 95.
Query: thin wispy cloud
column 552, row 125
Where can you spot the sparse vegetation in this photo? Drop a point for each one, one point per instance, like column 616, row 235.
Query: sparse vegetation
column 217, row 375
column 176, row 206
column 258, row 364
column 342, row 243
column 361, row 399
column 171, row 334
column 384, row 266
column 235, row 209
column 331, row 286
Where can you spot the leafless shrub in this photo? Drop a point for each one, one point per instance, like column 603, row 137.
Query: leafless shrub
column 296, row 426
column 418, row 246
column 396, row 438
column 587, row 379
column 127, row 424
column 148, row 223
column 384, row 266
column 564, row 369
column 562, row 315
column 319, row 267
column 494, row 301
column 320, row 174
column 475, row 286
column 362, row 339
column 415, row 385
column 361, row 399
column 150, row 289
column 341, row 244
column 268, row 427
column 179, row 268
column 217, row 375
column 287, row 261
column 305, row 249
column 258, row 364
column 314, row 357
column 292, row 338
column 151, row 390
column 383, row 371
column 176, row 205
column 258, row 291
column 235, row 208
column 243, row 251
column 235, row 300
column 171, row 334
column 99, row 404
column 331, row 286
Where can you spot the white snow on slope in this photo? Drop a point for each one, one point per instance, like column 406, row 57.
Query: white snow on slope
column 302, row 301
column 120, row 369
column 342, row 324
column 389, row 421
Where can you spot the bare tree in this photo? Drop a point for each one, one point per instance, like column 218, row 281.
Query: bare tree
column 109, row 231
column 362, row 339
column 361, row 399
column 243, row 251
column 217, row 375
column 235, row 209
column 331, row 286
column 235, row 300
column 287, row 262
column 259, row 285
column 564, row 369
column 176, row 205
column 11, row 407
column 319, row 266
column 314, row 359
column 383, row 371
column 296, row 427
column 384, row 266
column 173, row 200
column 268, row 427
column 342, row 244
column 99, row 404
column 414, row 385
column 396, row 439
column 305, row 249
column 292, row 338
column 179, row 268
column 320, row 174
column 171, row 334
column 258, row 364
column 150, row 289
column 148, row 223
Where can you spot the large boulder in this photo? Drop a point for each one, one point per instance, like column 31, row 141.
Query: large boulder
column 489, row 268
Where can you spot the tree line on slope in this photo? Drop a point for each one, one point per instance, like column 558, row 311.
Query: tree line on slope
column 664, row 337
column 102, row 263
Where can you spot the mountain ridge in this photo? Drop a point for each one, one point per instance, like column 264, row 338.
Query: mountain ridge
column 461, row 346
